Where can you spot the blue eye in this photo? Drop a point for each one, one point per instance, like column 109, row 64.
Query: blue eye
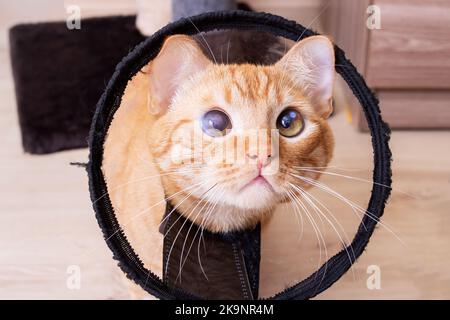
column 215, row 123
column 290, row 123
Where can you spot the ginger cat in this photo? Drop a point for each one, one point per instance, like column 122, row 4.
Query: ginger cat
column 182, row 116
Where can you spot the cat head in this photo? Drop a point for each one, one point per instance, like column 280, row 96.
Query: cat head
column 229, row 139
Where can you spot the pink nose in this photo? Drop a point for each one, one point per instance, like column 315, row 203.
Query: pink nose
column 261, row 161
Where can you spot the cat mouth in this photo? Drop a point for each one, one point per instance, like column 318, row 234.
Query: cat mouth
column 259, row 180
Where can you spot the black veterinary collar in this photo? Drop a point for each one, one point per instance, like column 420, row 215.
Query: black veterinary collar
column 210, row 265
column 110, row 101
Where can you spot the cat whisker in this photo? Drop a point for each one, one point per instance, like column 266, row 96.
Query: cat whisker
column 319, row 236
column 322, row 240
column 189, row 230
column 144, row 211
column 356, row 179
column 310, row 199
column 181, row 156
column 353, row 205
column 325, row 7
column 202, row 198
column 140, row 180
column 340, row 197
column 207, row 215
column 146, row 279
column 182, row 226
column 298, row 217
column 178, row 205
column 204, row 39
column 198, row 185
column 329, row 167
column 184, row 199
column 179, row 231
column 355, row 212
column 216, row 190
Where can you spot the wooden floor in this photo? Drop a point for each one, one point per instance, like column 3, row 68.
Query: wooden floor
column 47, row 223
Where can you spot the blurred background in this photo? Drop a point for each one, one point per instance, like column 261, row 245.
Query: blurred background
column 54, row 68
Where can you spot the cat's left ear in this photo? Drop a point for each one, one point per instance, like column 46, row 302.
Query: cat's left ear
column 310, row 63
column 179, row 59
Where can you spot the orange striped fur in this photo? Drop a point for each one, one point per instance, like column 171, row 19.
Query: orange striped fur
column 139, row 163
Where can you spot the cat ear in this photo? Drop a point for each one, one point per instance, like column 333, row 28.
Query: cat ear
column 179, row 59
column 310, row 63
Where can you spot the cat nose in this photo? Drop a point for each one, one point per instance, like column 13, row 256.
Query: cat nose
column 262, row 160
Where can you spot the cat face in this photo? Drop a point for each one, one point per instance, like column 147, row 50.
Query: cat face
column 228, row 138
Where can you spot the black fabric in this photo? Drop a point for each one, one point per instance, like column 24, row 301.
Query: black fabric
column 130, row 263
column 210, row 265
column 241, row 46
column 59, row 74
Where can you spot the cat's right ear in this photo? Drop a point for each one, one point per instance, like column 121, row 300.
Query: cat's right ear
column 179, row 59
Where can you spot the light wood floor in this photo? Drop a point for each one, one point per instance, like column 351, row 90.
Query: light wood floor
column 47, row 223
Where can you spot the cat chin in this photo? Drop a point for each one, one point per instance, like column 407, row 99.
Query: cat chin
column 252, row 198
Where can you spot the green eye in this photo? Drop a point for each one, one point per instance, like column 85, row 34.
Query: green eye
column 290, row 123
